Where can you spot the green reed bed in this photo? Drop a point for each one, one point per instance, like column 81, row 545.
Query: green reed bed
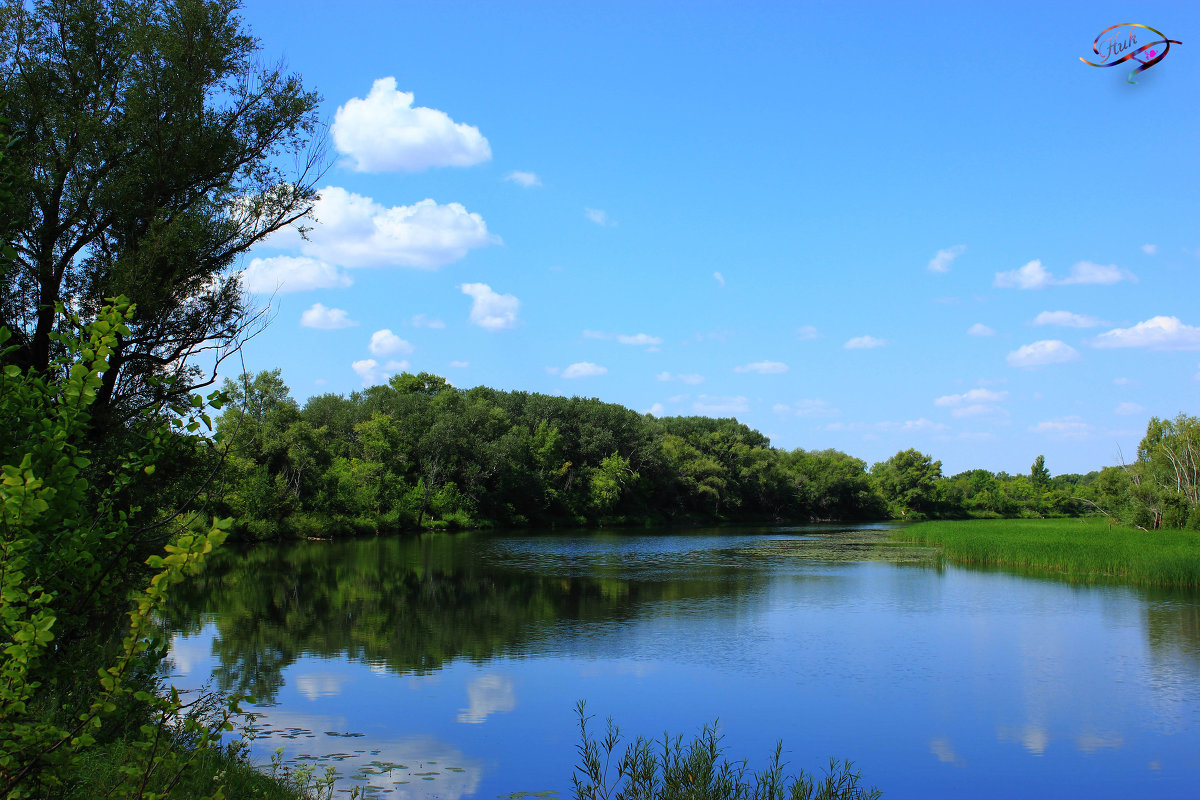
column 1085, row 550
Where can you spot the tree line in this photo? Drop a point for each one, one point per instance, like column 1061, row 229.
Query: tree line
column 418, row 453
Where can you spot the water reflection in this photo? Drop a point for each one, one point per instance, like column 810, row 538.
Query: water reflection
column 488, row 694
column 400, row 657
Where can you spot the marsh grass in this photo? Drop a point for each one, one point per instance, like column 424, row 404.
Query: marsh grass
column 668, row 769
column 1089, row 550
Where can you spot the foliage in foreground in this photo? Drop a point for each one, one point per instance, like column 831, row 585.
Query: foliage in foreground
column 668, row 769
column 1091, row 549
column 64, row 545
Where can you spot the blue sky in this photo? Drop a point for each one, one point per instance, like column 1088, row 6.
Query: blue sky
column 868, row 226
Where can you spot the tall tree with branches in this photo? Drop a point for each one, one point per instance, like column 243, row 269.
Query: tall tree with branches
column 153, row 150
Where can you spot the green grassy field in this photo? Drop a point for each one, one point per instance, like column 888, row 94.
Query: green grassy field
column 1086, row 550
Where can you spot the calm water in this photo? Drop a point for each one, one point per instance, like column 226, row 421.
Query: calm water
column 449, row 666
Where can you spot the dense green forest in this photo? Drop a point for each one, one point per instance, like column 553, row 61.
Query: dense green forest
column 418, row 453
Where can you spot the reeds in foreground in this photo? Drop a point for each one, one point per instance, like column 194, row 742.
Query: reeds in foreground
column 669, row 770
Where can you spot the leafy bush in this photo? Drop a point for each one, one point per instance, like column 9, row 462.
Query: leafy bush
column 67, row 551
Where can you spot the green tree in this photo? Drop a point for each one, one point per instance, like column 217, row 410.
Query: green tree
column 1039, row 476
column 908, row 481
column 149, row 160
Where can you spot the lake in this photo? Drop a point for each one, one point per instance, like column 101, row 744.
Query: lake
column 449, row 665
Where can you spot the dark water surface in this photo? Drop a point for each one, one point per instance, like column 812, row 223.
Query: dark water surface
column 448, row 666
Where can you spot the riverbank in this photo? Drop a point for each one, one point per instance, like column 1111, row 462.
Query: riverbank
column 1084, row 550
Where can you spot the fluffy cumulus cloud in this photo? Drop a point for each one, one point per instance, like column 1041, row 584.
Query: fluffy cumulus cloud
column 656, row 410
column 719, row 278
column 1040, row 354
column 942, row 260
column 355, row 231
column 291, row 274
column 491, row 310
column 864, row 343
column 386, row 343
column 584, row 369
column 720, row 406
column 689, row 378
column 526, row 179
column 1067, row 319
column 372, row 372
column 383, row 132
column 1156, row 333
column 979, row 329
column 328, row 319
column 1035, row 276
column 763, row 368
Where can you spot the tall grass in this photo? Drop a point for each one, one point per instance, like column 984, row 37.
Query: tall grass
column 1085, row 550
column 669, row 770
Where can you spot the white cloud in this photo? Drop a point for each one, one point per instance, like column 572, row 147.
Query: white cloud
column 808, row 407
column 291, row 274
column 979, row 329
column 970, row 397
column 1031, row 276
column 1085, row 272
column 460, row 364
column 708, row 404
column 329, row 319
column 384, row 133
column 1035, row 276
column 1149, row 249
column 719, row 278
column 526, row 179
column 487, row 694
column 355, row 231
column 495, row 312
column 974, row 403
column 597, row 216
column 764, row 368
column 1128, row 408
column 806, row 332
column 1072, row 427
column 655, row 410
column 1067, row 319
column 372, row 373
column 421, row 321
column 941, row 262
column 386, row 343
column 639, row 339
column 689, row 378
column 1156, row 333
column 584, row 369
column 864, row 343
column 1039, row 354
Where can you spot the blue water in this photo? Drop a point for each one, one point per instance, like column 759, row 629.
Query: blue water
column 936, row 681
